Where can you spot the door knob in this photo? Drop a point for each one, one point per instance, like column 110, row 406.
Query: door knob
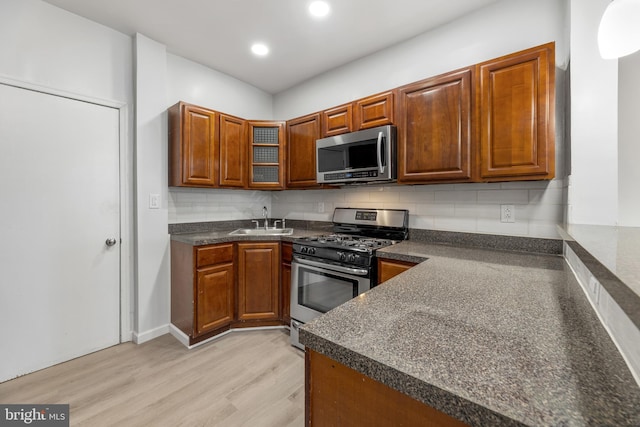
column 110, row 242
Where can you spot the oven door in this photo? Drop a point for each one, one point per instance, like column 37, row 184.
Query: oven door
column 317, row 287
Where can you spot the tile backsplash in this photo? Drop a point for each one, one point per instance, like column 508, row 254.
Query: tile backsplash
column 203, row 204
column 539, row 205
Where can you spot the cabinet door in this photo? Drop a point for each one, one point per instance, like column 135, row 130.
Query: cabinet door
column 302, row 134
column 267, row 149
column 258, row 281
column 434, row 134
column 233, row 151
column 193, row 146
column 337, row 120
column 517, row 104
column 376, row 110
column 388, row 269
column 214, row 298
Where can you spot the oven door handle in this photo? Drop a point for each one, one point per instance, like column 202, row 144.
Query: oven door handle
column 339, row 268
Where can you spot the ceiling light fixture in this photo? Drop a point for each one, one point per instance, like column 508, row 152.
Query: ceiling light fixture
column 619, row 31
column 260, row 49
column 319, row 9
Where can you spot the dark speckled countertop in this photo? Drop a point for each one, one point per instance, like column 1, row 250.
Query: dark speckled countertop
column 489, row 337
column 493, row 338
column 222, row 236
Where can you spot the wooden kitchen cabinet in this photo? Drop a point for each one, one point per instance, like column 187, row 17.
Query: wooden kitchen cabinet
column 339, row 395
column 435, row 133
column 193, row 146
column 302, row 134
column 372, row 111
column 337, row 120
column 266, row 155
column 516, row 97
column 375, row 110
column 259, row 283
column 233, row 151
column 391, row 268
column 285, row 279
column 202, row 289
column 215, row 302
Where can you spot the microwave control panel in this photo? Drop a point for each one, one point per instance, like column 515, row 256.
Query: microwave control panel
column 349, row 175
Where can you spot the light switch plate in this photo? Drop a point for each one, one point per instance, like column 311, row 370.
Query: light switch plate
column 154, row 201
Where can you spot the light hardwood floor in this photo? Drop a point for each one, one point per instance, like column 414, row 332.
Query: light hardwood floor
column 246, row 378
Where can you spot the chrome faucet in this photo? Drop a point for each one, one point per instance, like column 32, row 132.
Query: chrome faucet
column 265, row 213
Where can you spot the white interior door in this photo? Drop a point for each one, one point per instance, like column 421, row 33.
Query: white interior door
column 59, row 186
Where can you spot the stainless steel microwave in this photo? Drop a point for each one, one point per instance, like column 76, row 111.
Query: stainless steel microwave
column 358, row 157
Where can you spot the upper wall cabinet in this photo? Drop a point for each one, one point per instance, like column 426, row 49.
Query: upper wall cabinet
column 376, row 110
column 193, row 146
column 233, row 151
column 266, row 155
column 516, row 97
column 369, row 112
column 434, row 130
column 337, row 120
column 302, row 134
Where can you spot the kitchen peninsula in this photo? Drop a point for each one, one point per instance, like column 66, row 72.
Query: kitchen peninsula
column 484, row 337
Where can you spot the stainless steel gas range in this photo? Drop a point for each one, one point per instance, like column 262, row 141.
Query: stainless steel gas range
column 329, row 270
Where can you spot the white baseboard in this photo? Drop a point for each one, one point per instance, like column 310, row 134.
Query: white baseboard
column 143, row 337
column 184, row 338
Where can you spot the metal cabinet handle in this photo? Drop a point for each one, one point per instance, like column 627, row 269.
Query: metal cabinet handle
column 111, row 241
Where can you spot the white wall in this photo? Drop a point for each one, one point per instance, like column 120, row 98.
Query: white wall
column 194, row 83
column 152, row 251
column 629, row 140
column 48, row 48
column 593, row 189
column 502, row 28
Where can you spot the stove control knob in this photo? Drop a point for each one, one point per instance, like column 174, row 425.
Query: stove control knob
column 304, row 249
column 312, row 251
column 342, row 256
column 352, row 257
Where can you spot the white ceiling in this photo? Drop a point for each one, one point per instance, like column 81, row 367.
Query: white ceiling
column 218, row 34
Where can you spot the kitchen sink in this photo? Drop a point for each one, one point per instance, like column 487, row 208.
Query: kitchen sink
column 262, row 232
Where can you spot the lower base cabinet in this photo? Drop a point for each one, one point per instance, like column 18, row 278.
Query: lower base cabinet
column 219, row 287
column 202, row 289
column 337, row 395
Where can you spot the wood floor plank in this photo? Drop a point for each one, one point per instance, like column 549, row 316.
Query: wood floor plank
column 246, row 378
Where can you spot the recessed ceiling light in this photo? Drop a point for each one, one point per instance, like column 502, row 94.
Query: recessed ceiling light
column 260, row 49
column 319, row 9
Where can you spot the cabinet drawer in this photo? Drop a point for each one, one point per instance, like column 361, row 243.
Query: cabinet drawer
column 210, row 255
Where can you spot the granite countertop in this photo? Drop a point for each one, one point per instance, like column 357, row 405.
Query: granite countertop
column 488, row 337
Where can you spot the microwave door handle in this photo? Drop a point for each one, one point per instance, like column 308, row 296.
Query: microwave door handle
column 380, row 165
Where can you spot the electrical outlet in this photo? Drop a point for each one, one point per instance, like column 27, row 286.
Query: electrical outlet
column 320, row 207
column 507, row 213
